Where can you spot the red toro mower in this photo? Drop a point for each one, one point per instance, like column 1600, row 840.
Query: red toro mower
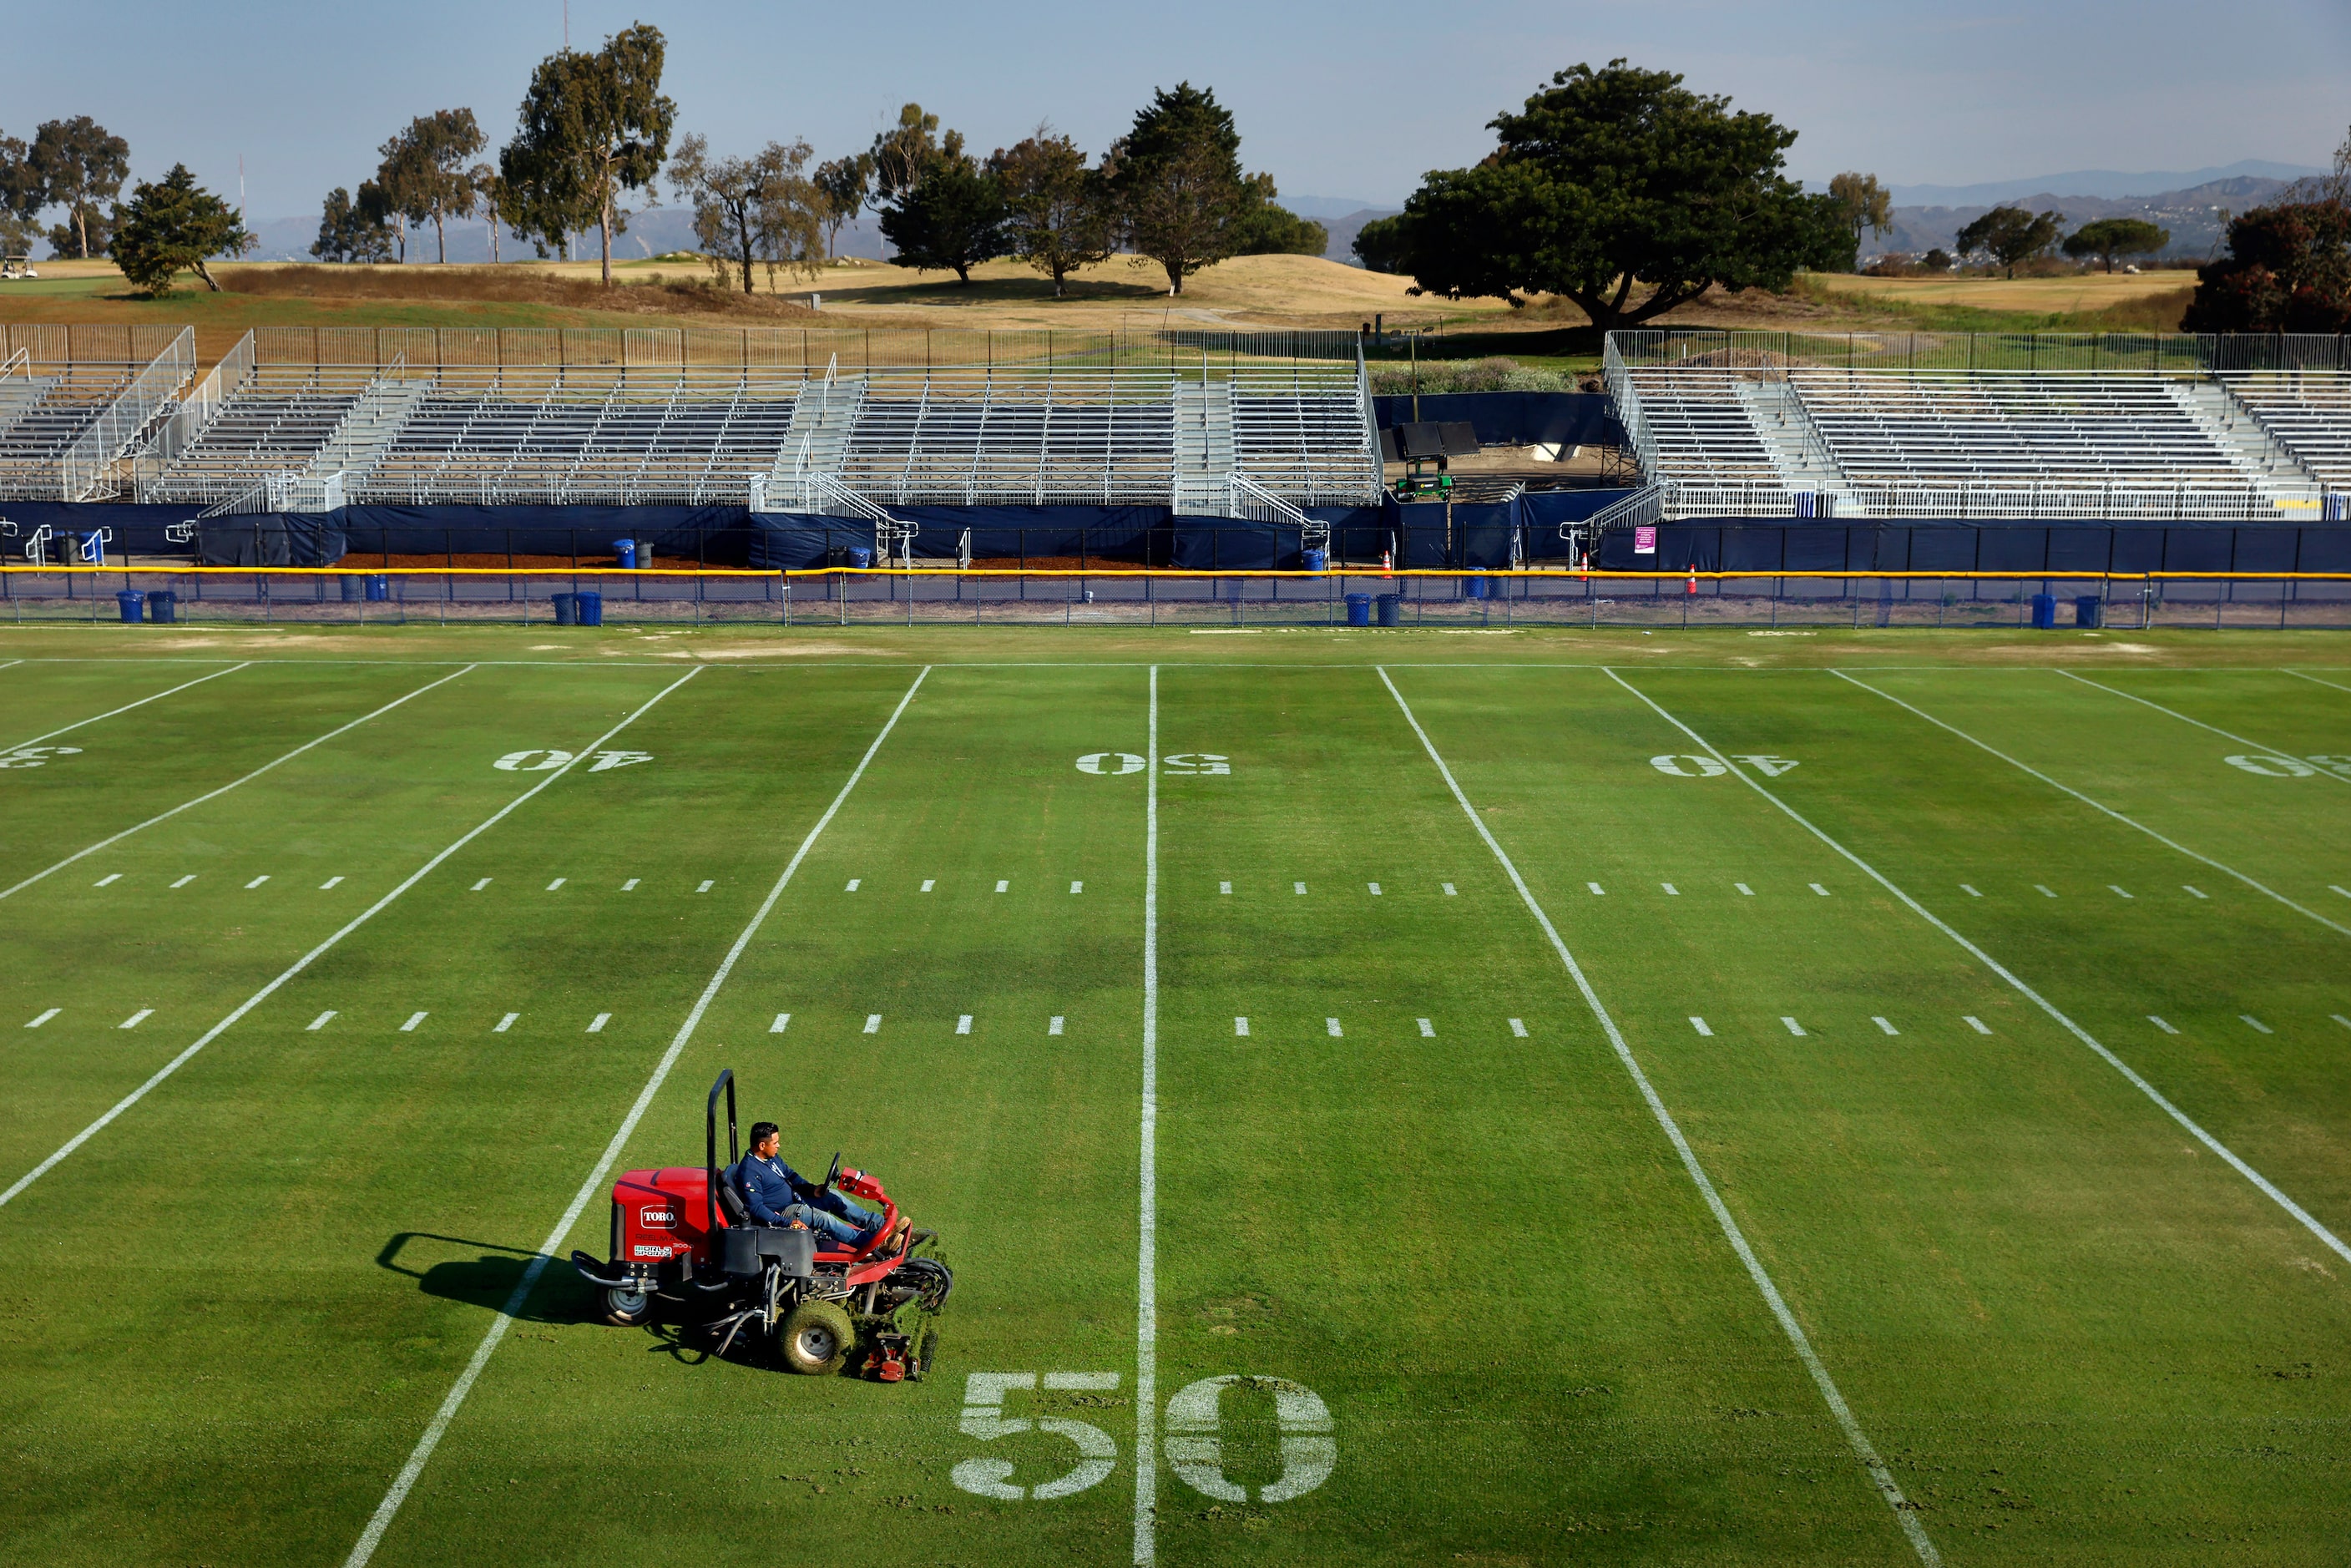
column 683, row 1236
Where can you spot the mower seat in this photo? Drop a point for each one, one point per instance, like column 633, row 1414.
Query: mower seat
column 731, row 1205
column 749, row 1249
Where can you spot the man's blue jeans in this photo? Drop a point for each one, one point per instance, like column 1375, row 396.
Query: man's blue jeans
column 834, row 1218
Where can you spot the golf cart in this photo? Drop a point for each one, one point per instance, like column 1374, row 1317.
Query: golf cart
column 13, row 267
column 682, row 1235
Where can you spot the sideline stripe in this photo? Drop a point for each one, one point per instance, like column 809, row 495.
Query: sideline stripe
column 225, row 788
column 381, row 1519
column 2314, row 680
column 2333, row 1242
column 1146, row 1252
column 320, row 951
column 2214, row 729
column 1903, row 1513
column 125, row 707
column 2099, row 806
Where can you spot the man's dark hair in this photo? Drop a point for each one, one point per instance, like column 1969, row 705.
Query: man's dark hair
column 760, row 1131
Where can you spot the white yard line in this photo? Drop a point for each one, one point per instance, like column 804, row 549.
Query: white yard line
column 1859, row 1441
column 596, row 1025
column 1053, row 1024
column 329, row 882
column 125, row 707
column 414, row 1019
column 216, row 794
column 390, row 1507
column 1241, row 1028
column 2262, row 1183
column 133, row 1021
column 505, row 1023
column 783, row 1019
column 1331, row 1025
column 1146, row 1252
column 1427, row 1028
column 1698, row 1024
column 44, row 1018
column 2160, row 1024
column 2098, row 806
column 320, row 951
column 2314, row 680
column 1884, row 1025
column 2213, row 729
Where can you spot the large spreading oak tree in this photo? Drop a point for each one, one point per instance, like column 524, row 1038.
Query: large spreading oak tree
column 1624, row 191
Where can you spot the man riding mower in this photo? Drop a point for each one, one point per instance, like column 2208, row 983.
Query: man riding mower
column 833, row 1283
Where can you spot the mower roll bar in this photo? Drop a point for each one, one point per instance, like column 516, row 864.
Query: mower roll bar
column 710, row 1147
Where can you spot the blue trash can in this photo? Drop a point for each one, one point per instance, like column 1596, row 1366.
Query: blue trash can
column 1318, row 561
column 627, row 550
column 1473, row 588
column 590, row 608
column 163, row 607
column 1391, row 608
column 860, row 555
column 354, row 587
column 131, row 602
column 2089, row 609
column 566, row 610
column 379, row 588
column 1359, row 609
column 2045, row 612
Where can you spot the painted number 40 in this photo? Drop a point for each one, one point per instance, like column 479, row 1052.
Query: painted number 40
column 1769, row 765
column 1194, row 1442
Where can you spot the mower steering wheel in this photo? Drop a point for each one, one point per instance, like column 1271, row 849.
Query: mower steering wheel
column 834, row 1173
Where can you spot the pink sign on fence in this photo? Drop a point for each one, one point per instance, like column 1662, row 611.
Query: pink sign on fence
column 1644, row 541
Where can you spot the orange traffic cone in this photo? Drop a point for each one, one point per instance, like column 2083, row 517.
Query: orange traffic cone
column 1693, row 581
column 1387, row 562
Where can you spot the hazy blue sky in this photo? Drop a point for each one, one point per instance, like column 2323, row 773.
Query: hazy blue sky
column 1352, row 99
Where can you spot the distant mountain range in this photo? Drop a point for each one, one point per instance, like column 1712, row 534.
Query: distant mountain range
column 656, row 231
column 2196, row 215
column 2107, row 184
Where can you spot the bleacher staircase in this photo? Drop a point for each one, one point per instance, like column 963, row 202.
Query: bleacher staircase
column 367, row 431
column 2237, row 431
column 1798, row 454
column 1204, row 449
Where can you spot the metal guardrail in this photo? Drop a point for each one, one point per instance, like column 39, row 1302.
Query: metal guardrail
column 2104, row 353
column 85, row 468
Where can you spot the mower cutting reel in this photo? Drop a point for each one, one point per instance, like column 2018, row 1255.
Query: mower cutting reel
column 683, row 1236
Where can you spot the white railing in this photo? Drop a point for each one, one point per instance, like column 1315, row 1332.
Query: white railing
column 84, row 468
column 2053, row 503
column 282, row 492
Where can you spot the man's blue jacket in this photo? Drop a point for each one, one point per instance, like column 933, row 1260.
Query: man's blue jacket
column 770, row 1187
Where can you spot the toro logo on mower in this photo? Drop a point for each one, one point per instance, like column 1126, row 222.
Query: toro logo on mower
column 658, row 1218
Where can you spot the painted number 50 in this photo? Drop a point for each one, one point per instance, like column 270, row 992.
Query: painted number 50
column 1195, row 1445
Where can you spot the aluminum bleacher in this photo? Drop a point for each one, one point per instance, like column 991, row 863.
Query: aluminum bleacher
column 772, row 417
column 1869, row 425
column 2307, row 414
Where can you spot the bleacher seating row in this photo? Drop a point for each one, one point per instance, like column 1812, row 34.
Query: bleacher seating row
column 930, row 436
column 1777, row 438
column 50, row 408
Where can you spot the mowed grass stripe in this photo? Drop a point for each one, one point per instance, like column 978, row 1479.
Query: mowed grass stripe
column 2326, row 1236
column 216, row 1030
column 1471, row 1242
column 215, row 794
column 1990, row 1238
column 2336, row 770
column 1929, row 810
column 370, row 807
column 1017, row 1144
column 421, row 1455
column 2226, row 870
column 125, row 707
column 364, row 1199
column 1846, row 1422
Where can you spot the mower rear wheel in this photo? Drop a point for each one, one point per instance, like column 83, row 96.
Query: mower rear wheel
column 818, row 1338
column 625, row 1308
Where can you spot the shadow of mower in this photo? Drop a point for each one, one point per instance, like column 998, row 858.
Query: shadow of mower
column 492, row 1277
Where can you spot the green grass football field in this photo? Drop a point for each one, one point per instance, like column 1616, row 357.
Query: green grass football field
column 1856, row 1098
